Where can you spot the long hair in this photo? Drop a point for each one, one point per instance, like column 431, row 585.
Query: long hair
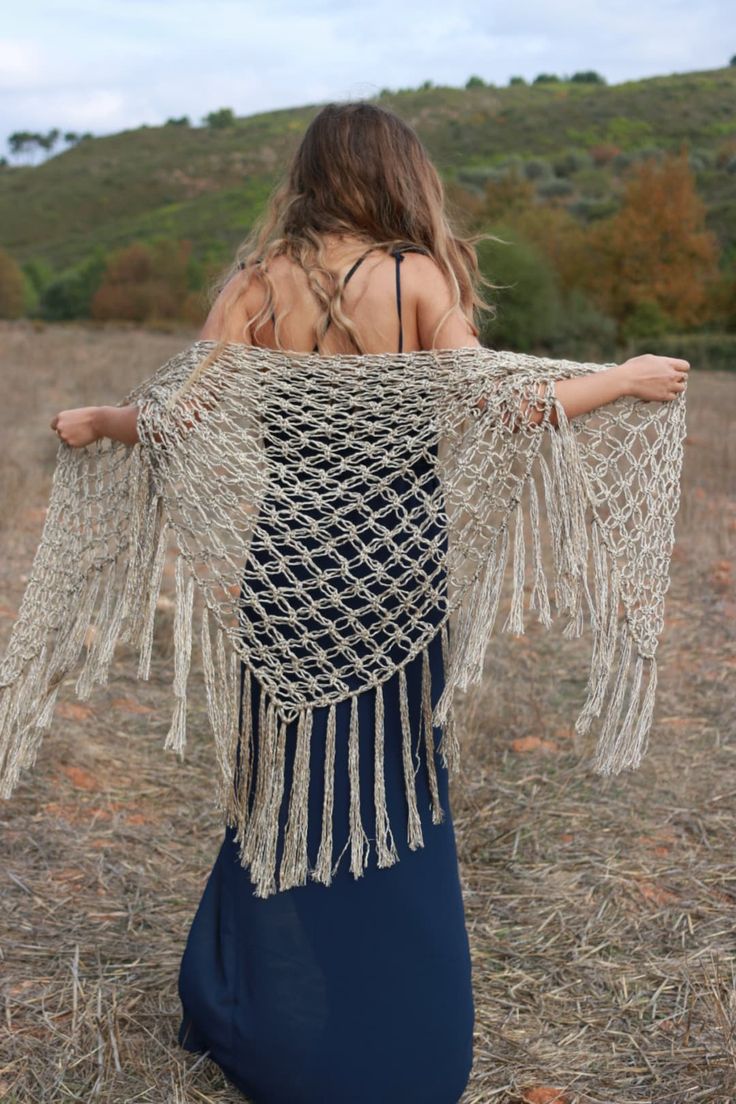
column 359, row 170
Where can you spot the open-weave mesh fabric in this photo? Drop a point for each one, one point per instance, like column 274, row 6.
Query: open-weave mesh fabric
column 332, row 514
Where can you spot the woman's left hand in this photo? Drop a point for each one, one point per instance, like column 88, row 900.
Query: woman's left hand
column 77, row 427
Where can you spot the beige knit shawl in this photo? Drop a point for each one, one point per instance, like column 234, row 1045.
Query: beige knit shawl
column 332, row 514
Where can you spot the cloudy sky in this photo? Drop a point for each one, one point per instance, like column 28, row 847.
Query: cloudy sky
column 108, row 65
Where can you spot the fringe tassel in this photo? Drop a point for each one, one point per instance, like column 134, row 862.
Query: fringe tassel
column 386, row 847
column 177, row 734
column 515, row 619
column 359, row 843
column 568, row 490
column 262, row 841
column 476, row 625
column 414, row 829
column 539, row 598
column 438, row 813
column 239, row 802
column 605, row 630
column 620, row 748
column 294, row 861
column 323, row 870
column 145, row 640
column 449, row 747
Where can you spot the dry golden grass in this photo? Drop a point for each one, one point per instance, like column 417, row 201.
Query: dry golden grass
column 601, row 912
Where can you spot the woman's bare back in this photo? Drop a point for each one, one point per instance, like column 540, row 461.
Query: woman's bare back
column 370, row 300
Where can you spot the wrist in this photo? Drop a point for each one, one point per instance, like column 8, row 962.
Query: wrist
column 99, row 421
column 622, row 376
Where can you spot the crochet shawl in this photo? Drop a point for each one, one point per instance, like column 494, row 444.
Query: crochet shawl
column 331, row 515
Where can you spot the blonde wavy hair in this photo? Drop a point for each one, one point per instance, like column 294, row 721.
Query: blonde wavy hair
column 359, row 170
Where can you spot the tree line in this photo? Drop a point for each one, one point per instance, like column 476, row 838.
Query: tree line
column 648, row 269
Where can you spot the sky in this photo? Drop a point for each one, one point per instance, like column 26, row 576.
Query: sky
column 112, row 65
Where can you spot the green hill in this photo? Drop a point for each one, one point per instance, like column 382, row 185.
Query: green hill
column 206, row 184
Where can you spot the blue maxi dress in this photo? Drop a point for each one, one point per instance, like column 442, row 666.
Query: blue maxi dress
column 354, row 993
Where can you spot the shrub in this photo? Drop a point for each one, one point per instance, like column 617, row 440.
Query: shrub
column 571, row 161
column 588, row 76
column 69, row 295
column 537, row 169
column 12, row 287
column 145, row 283
column 528, row 307
column 217, row 120
column 552, row 189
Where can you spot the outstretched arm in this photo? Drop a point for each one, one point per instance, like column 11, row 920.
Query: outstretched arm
column 647, row 377
column 83, row 425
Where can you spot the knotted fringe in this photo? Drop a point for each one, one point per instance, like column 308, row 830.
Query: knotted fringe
column 177, row 734
column 438, row 813
column 449, row 747
column 387, row 853
column 359, row 845
column 324, row 869
column 251, row 787
column 415, row 837
column 294, row 862
column 123, row 581
column 623, row 737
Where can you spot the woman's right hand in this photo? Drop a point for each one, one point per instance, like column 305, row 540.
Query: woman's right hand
column 654, row 378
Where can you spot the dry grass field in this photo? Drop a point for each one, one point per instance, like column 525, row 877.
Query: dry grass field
column 601, row 911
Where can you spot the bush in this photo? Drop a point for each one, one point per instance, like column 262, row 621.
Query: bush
column 527, row 310
column 12, row 287
column 70, row 294
column 145, row 283
column 475, row 82
column 537, row 169
column 571, row 162
column 709, row 351
column 217, row 120
column 584, row 332
column 647, row 319
column 588, row 76
column 551, row 189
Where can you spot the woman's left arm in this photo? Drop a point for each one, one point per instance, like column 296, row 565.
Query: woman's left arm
column 84, row 424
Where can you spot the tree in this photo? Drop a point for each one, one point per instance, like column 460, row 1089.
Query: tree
column 588, row 76
column 69, row 294
column 12, row 287
column 545, row 78
column 517, row 80
column 655, row 249
column 218, row 120
column 145, row 282
column 475, row 82
column 528, row 304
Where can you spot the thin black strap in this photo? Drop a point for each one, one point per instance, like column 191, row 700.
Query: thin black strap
column 353, row 268
column 398, row 255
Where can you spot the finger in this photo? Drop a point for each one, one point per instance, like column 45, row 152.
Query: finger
column 53, row 421
column 681, row 365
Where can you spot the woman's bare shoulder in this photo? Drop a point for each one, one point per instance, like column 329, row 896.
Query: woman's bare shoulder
column 239, row 299
column 432, row 294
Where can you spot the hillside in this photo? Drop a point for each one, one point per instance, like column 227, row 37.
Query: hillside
column 208, row 184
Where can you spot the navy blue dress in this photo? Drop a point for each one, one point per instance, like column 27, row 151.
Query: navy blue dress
column 354, row 993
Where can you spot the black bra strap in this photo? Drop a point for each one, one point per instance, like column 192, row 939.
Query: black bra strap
column 398, row 255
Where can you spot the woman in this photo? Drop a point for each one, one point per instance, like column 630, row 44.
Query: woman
column 361, row 991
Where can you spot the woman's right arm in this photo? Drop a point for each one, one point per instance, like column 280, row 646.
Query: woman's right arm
column 647, row 377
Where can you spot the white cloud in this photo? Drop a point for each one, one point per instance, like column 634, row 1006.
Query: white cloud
column 107, row 65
